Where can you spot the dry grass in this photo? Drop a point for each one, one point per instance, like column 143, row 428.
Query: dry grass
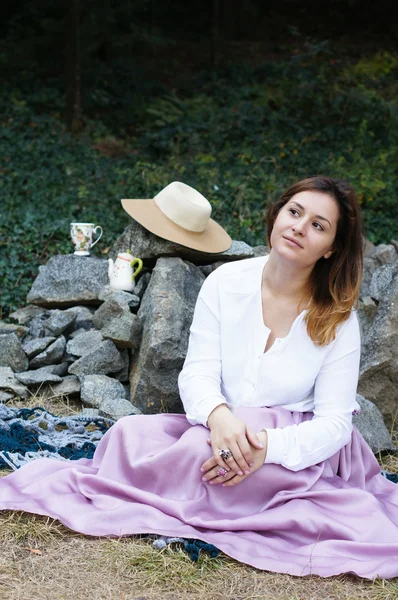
column 40, row 559
column 59, row 405
column 389, row 462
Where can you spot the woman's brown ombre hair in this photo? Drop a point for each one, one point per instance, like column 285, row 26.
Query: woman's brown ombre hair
column 334, row 282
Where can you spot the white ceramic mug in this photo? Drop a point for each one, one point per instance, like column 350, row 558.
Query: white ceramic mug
column 82, row 235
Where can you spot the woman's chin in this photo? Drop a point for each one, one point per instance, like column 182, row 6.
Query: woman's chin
column 289, row 253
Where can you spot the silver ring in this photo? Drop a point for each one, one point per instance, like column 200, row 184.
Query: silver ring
column 225, row 453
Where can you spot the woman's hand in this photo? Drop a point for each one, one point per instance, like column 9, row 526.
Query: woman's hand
column 231, row 478
column 227, row 432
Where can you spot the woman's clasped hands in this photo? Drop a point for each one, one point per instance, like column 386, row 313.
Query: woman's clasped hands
column 237, row 450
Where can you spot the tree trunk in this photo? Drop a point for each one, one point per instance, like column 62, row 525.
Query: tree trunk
column 73, row 83
column 214, row 33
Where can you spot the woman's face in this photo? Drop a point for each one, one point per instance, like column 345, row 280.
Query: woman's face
column 305, row 228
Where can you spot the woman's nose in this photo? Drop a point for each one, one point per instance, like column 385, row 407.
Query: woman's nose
column 298, row 228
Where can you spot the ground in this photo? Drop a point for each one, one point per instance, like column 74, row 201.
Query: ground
column 42, row 560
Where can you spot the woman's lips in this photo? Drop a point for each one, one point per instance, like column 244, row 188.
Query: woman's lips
column 292, row 241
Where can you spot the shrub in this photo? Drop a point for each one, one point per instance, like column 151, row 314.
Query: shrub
column 241, row 137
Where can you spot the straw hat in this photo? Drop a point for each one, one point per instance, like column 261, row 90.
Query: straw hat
column 180, row 214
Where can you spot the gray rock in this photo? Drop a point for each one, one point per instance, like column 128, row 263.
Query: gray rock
column 108, row 293
column 150, row 247
column 19, row 330
column 207, row 269
column 69, row 358
column 117, row 323
column 126, row 390
column 37, row 345
column 83, row 317
column 366, row 312
column 5, row 396
column 58, row 321
column 124, row 332
column 112, row 307
column 69, row 386
column 69, row 280
column 238, row 250
column 26, row 314
column 36, row 327
column 378, row 379
column 89, row 413
column 96, row 389
column 11, row 353
column 8, row 382
column 370, row 424
column 380, row 282
column 370, row 307
column 37, row 377
column 52, row 354
column 84, row 343
column 369, row 248
column 59, row 370
column 118, row 408
column 385, row 254
column 78, row 332
column 142, row 284
column 260, row 251
column 123, row 374
column 374, row 271
column 166, row 312
column 369, row 267
column 102, row 360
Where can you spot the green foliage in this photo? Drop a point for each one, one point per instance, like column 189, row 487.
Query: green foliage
column 376, row 66
column 239, row 135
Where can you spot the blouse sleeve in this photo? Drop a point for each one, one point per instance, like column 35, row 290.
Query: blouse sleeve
column 199, row 381
column 299, row 446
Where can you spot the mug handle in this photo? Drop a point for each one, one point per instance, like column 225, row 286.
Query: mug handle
column 100, row 235
column 138, row 269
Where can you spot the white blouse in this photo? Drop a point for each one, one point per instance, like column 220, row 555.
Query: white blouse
column 225, row 363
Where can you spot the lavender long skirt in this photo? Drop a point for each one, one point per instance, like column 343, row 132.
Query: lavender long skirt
column 336, row 517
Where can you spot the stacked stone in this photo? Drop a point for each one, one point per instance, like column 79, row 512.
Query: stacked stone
column 121, row 352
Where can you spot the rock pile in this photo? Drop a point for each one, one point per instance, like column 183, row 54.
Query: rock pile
column 121, row 352
column 378, row 313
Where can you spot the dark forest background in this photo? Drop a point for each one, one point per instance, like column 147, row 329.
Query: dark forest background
column 105, row 100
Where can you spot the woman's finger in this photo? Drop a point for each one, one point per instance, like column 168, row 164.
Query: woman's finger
column 233, row 481
column 246, row 451
column 243, row 467
column 217, row 475
column 253, row 439
column 228, row 463
column 220, row 462
column 209, row 464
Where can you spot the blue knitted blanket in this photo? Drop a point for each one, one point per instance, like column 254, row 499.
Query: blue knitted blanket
column 30, row 433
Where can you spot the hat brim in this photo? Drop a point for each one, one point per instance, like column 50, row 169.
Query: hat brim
column 212, row 240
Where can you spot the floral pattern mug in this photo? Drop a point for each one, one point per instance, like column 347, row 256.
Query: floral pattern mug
column 82, row 235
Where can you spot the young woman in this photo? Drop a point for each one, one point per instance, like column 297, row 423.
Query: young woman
column 269, row 382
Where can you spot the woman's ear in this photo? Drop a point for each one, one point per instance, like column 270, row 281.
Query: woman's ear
column 328, row 254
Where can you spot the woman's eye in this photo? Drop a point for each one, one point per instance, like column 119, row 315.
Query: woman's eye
column 293, row 211
column 318, row 226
